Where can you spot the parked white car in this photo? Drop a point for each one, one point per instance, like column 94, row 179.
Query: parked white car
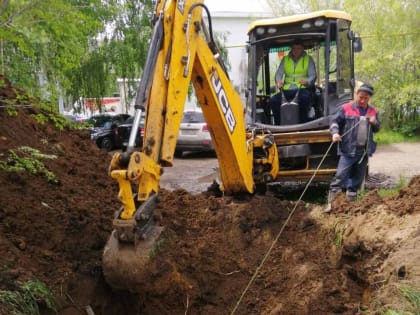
column 193, row 134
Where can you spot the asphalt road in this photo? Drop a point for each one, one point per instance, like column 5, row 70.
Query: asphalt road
column 194, row 172
column 398, row 160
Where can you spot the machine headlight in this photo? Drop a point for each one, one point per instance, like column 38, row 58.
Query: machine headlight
column 260, row 30
column 271, row 30
column 319, row 22
column 306, row 25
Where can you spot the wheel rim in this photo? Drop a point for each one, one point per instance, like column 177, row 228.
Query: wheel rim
column 106, row 144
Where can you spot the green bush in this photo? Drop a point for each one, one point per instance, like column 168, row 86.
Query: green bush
column 410, row 129
column 387, row 136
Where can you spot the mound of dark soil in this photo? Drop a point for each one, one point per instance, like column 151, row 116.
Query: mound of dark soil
column 52, row 231
column 405, row 202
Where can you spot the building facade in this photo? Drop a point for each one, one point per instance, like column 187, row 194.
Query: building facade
column 232, row 19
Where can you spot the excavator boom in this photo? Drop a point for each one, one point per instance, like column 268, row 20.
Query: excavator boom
column 182, row 52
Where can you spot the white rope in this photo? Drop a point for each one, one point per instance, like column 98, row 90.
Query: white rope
column 284, row 225
column 279, row 234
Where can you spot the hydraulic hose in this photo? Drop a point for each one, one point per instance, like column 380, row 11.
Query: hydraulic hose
column 146, row 78
column 210, row 39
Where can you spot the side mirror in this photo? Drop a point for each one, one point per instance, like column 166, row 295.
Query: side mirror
column 357, row 44
column 357, row 41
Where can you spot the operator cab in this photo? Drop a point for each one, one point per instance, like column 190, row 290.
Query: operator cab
column 327, row 38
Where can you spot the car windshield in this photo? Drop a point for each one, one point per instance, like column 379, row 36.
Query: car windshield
column 108, row 124
column 193, row 117
column 130, row 120
column 99, row 121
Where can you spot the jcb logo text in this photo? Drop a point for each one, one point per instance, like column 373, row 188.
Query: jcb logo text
column 224, row 103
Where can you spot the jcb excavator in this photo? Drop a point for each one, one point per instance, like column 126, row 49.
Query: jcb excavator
column 252, row 152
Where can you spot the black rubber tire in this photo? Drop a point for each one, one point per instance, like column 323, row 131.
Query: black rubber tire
column 260, row 189
column 106, row 144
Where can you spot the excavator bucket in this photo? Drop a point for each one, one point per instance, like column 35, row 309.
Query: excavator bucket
column 125, row 264
column 130, row 247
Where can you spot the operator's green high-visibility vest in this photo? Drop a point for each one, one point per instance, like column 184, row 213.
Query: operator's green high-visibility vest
column 293, row 74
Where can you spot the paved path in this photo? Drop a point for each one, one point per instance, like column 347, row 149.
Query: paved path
column 195, row 172
column 399, row 160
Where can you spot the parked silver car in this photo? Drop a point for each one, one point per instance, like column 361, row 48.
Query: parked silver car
column 193, row 134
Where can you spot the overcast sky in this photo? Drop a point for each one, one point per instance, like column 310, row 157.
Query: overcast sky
column 238, row 5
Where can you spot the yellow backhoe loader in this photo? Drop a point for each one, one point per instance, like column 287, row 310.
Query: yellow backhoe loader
column 251, row 150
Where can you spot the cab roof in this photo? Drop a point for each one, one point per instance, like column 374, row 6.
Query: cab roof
column 300, row 17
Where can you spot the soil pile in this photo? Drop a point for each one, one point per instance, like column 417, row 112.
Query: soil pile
column 322, row 264
column 352, row 260
column 53, row 230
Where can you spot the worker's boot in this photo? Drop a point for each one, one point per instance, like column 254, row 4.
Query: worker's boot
column 331, row 196
column 351, row 195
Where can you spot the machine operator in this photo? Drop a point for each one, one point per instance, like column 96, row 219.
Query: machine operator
column 296, row 72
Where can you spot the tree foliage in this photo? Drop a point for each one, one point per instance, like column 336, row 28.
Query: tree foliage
column 43, row 40
column 390, row 58
column 220, row 39
column 72, row 47
column 79, row 47
column 130, row 37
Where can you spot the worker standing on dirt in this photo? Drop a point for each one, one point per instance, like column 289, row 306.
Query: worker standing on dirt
column 296, row 72
column 353, row 127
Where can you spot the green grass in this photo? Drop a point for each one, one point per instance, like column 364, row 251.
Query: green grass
column 361, row 195
column 157, row 246
column 412, row 297
column 27, row 159
column 26, row 299
column 338, row 232
column 411, row 303
column 390, row 192
column 383, row 192
column 386, row 136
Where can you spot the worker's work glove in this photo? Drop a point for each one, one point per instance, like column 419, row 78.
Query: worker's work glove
column 336, row 137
